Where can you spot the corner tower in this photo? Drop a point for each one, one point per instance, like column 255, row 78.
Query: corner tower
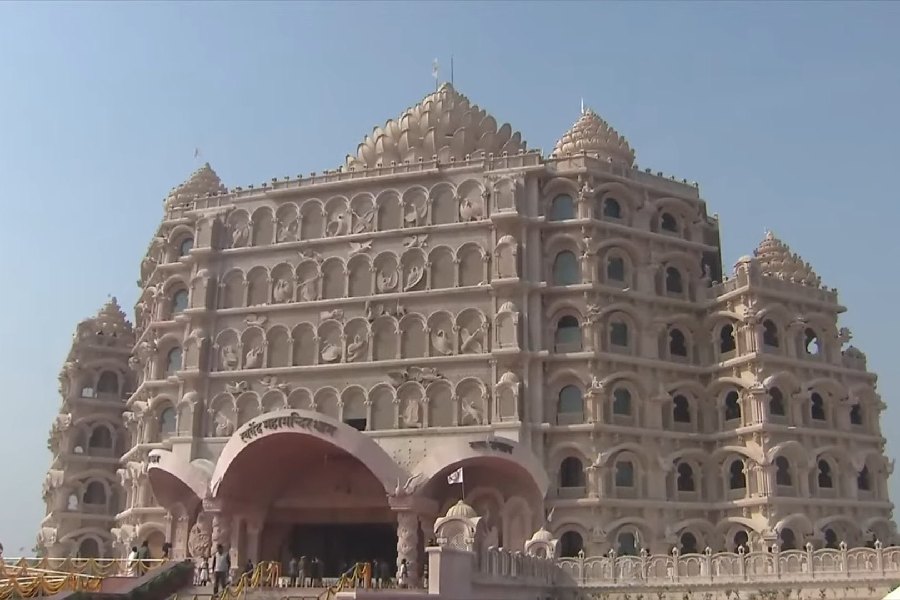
column 87, row 438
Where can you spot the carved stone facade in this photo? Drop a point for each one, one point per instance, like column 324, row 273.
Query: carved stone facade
column 81, row 490
column 560, row 327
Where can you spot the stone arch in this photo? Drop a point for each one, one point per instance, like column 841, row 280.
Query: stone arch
column 293, row 423
column 312, row 219
column 444, row 268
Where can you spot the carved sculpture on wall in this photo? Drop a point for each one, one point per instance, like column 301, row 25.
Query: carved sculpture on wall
column 365, row 222
column 472, row 342
column 357, row 348
column 331, row 351
column 360, row 247
column 230, row 358
column 253, row 358
column 416, row 241
column 415, row 216
column 506, row 254
column 200, row 537
column 507, row 327
column 237, row 387
column 240, row 235
column 471, row 412
column 471, row 209
column 442, row 342
column 412, row 413
column 416, row 274
column 338, row 224
column 223, row 426
column 387, row 280
column 282, row 291
column 423, row 375
column 270, row 382
column 337, row 314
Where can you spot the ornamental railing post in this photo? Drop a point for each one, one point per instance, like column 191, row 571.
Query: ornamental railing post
column 879, row 556
column 581, row 572
column 810, row 567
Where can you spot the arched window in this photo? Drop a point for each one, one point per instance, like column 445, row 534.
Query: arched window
column 88, row 548
column 674, row 284
column 688, row 543
column 732, row 406
column 565, row 269
column 831, row 539
column 108, row 383
column 811, row 342
column 726, row 339
column 685, row 480
column 621, row 402
column 185, row 246
column 571, row 401
column 677, row 343
column 562, row 208
column 166, row 422
column 863, row 482
column 741, row 540
column 681, row 409
column 100, row 438
column 788, row 539
column 568, row 334
column 179, row 302
column 776, row 402
column 173, row 361
column 770, row 334
column 618, row 334
column 627, row 544
column 94, row 494
column 615, row 268
column 624, row 474
column 571, row 473
column 825, row 480
column 856, row 415
column 667, row 222
column 612, row 209
column 736, row 478
column 816, row 407
column 783, row 472
column 570, row 544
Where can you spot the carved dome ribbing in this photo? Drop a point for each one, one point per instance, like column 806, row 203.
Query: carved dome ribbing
column 203, row 181
column 445, row 124
column 776, row 260
column 594, row 136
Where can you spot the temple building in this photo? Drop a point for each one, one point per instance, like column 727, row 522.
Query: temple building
column 316, row 361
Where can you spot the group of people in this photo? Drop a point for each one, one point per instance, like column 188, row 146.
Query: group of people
column 137, row 564
column 308, row 572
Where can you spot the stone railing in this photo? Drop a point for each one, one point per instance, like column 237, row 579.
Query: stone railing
column 789, row 566
column 496, row 565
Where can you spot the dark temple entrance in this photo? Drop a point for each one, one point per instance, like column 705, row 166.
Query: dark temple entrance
column 341, row 545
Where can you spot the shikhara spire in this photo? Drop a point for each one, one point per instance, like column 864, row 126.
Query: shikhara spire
column 777, row 260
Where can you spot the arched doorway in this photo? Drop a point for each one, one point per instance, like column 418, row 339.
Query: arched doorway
column 502, row 481
column 301, row 484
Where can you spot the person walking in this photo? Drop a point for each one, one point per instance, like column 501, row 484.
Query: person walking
column 204, row 570
column 221, row 566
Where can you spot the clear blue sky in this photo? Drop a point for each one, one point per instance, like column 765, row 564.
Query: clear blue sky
column 786, row 113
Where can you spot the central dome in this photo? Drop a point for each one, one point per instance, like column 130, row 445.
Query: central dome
column 445, row 124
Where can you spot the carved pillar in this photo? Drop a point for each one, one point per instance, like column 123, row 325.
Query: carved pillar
column 407, row 543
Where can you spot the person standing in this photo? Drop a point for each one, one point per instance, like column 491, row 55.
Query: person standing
column 131, row 564
column 402, row 574
column 204, row 570
column 221, row 566
column 293, row 570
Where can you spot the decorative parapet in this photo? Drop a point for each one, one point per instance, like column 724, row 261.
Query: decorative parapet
column 498, row 565
column 787, row 566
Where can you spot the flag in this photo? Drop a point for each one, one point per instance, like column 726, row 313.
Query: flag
column 196, row 152
column 550, row 514
column 455, row 477
column 434, row 69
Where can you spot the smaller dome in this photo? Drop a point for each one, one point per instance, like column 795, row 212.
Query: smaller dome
column 542, row 535
column 593, row 136
column 203, row 181
column 776, row 260
column 461, row 510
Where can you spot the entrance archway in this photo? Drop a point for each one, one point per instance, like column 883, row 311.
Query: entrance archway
column 302, row 484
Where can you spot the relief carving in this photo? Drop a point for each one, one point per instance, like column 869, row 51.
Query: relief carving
column 254, row 357
column 338, row 224
column 357, row 348
column 442, row 342
column 387, row 280
column 282, row 291
column 415, row 241
column 331, row 351
column 423, row 375
column 360, row 247
column 229, row 358
column 411, row 413
column 416, row 274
